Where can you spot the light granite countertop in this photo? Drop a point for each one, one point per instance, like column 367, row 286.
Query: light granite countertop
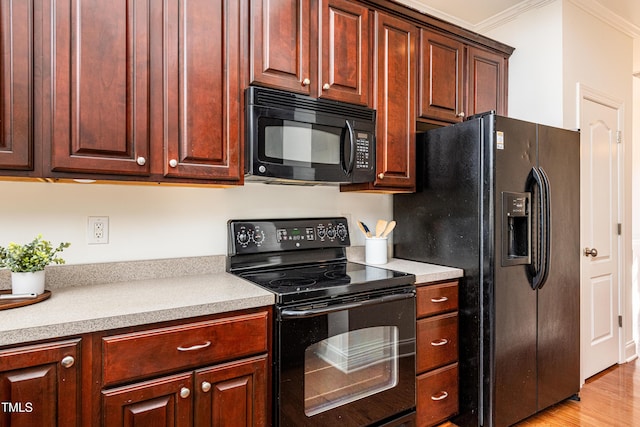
column 98, row 297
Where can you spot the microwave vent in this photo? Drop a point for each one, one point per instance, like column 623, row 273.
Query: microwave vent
column 287, row 100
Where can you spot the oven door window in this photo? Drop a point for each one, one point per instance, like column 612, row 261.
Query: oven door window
column 292, row 143
column 350, row 366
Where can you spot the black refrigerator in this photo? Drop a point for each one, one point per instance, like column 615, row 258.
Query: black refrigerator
column 500, row 199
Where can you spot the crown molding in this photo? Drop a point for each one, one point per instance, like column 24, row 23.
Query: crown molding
column 421, row 7
column 509, row 15
column 593, row 7
column 596, row 9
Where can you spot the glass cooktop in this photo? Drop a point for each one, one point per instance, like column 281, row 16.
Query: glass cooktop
column 326, row 280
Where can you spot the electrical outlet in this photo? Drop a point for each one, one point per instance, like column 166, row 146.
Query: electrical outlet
column 98, row 230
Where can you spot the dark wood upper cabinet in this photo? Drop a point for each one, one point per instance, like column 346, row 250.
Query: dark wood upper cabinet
column 153, row 91
column 16, row 84
column 100, row 86
column 343, row 45
column 395, row 89
column 279, row 46
column 318, row 48
column 148, row 89
column 487, row 81
column 441, row 77
column 204, row 85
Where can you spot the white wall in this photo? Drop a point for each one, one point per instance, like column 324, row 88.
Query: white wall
column 535, row 68
column 154, row 222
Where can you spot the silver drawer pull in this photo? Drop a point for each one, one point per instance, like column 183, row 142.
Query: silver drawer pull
column 195, row 347
column 443, row 395
column 441, row 341
column 441, row 299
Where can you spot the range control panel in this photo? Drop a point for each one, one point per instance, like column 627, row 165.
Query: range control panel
column 253, row 236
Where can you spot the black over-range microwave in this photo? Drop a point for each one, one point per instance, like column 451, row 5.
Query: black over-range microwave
column 296, row 138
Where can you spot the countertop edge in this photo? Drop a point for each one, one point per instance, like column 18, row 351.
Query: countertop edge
column 102, row 307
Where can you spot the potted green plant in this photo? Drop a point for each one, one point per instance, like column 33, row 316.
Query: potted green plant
column 27, row 263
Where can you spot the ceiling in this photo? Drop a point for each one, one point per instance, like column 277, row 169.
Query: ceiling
column 477, row 15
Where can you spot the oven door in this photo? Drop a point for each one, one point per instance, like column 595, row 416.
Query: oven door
column 348, row 364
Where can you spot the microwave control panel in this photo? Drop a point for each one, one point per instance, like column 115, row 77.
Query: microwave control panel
column 363, row 150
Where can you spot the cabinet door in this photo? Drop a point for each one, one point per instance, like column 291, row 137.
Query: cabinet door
column 395, row 103
column 233, row 395
column 487, row 82
column 16, row 84
column 441, row 74
column 279, row 44
column 344, row 52
column 163, row 402
column 99, row 66
column 40, row 385
column 204, row 88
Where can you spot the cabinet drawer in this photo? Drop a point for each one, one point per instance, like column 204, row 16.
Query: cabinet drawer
column 437, row 341
column 137, row 355
column 437, row 393
column 436, row 299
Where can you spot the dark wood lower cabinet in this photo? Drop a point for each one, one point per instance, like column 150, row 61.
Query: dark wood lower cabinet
column 232, row 395
column 163, row 402
column 210, row 371
column 437, row 352
column 40, row 385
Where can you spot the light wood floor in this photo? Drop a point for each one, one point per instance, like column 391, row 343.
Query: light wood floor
column 609, row 399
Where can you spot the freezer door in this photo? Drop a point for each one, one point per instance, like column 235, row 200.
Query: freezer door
column 514, row 327
column 559, row 298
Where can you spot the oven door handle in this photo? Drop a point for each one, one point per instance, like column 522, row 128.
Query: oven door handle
column 293, row 313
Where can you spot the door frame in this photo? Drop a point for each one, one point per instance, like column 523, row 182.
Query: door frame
column 586, row 93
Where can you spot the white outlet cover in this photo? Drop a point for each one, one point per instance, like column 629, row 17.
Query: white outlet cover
column 98, row 230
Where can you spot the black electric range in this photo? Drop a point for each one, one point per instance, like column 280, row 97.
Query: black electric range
column 303, row 260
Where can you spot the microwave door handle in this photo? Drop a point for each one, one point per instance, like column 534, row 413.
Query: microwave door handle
column 352, row 148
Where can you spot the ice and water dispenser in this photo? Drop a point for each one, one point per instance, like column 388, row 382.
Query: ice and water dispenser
column 516, row 228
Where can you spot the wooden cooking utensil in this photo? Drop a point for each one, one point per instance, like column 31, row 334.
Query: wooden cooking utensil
column 380, row 227
column 389, row 228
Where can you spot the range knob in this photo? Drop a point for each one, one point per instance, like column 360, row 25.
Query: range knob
column 258, row 237
column 243, row 237
column 331, row 232
column 341, row 231
column 322, row 232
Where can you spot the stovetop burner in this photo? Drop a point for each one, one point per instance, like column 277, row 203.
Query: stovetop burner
column 303, row 260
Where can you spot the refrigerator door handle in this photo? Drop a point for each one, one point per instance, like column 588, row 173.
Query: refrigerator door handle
column 547, row 226
column 537, row 267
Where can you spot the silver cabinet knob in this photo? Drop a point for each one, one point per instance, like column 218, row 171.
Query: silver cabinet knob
column 173, row 163
column 184, row 392
column 306, row 82
column 461, row 114
column 68, row 361
column 141, row 161
column 326, row 86
column 206, row 386
column 381, row 175
column 591, row 252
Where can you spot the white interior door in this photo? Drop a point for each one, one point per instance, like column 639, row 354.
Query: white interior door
column 600, row 125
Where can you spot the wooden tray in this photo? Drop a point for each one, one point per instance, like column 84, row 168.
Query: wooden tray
column 13, row 303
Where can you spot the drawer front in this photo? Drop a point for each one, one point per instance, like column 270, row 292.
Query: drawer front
column 437, row 341
column 437, row 393
column 436, row 299
column 136, row 355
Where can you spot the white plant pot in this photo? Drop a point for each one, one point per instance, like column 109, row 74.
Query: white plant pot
column 26, row 283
